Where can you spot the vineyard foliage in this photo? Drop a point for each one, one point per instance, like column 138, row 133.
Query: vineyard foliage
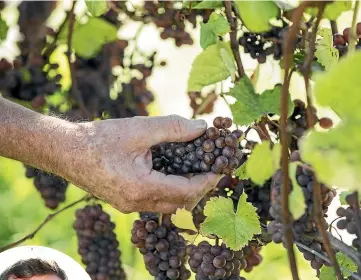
column 288, row 159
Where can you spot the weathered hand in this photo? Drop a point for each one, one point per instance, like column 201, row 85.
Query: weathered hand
column 116, row 164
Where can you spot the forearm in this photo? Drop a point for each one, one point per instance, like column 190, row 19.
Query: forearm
column 41, row 141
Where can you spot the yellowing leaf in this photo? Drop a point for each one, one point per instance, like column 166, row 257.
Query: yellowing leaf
column 208, row 67
column 183, row 219
column 263, row 162
column 297, row 203
column 191, row 238
column 326, row 54
column 236, row 229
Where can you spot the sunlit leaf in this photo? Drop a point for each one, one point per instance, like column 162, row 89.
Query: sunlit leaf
column 326, row 54
column 97, row 7
column 183, row 219
column 208, row 67
column 250, row 106
column 296, row 203
column 256, row 14
column 263, row 162
column 89, row 38
column 235, row 228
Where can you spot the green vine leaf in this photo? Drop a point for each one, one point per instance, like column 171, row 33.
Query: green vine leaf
column 207, row 4
column 241, row 172
column 256, row 14
column 89, row 38
column 235, row 228
column 343, row 197
column 216, row 26
column 326, row 54
column 250, row 106
column 4, row 28
column 339, row 88
column 297, row 204
column 332, row 10
column 323, row 149
column 267, row 158
column 208, row 67
column 328, row 273
column 97, row 7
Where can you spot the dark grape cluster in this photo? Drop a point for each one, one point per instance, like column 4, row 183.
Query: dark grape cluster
column 261, row 45
column 216, row 150
column 252, row 256
column 166, row 16
column 297, row 123
column 341, row 41
column 25, row 79
column 95, row 79
column 163, row 249
column 52, row 188
column 305, row 224
column 97, row 244
column 215, row 262
column 350, row 219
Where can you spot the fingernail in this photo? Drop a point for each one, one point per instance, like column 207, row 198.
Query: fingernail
column 200, row 124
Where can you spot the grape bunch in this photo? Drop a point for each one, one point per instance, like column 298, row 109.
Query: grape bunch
column 216, row 150
column 97, row 243
column 215, row 262
column 25, row 79
column 163, row 249
column 52, row 188
column 170, row 19
column 305, row 224
column 341, row 41
column 261, row 45
column 252, row 256
column 202, row 104
column 296, row 123
column 350, row 218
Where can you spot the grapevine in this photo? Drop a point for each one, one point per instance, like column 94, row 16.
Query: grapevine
column 280, row 153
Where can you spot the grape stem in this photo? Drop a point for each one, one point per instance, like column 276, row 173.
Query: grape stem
column 353, row 35
column 333, row 27
column 306, row 69
column 288, row 47
column 233, row 37
column 45, row 221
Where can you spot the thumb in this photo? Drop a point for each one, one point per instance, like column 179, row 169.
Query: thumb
column 172, row 128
